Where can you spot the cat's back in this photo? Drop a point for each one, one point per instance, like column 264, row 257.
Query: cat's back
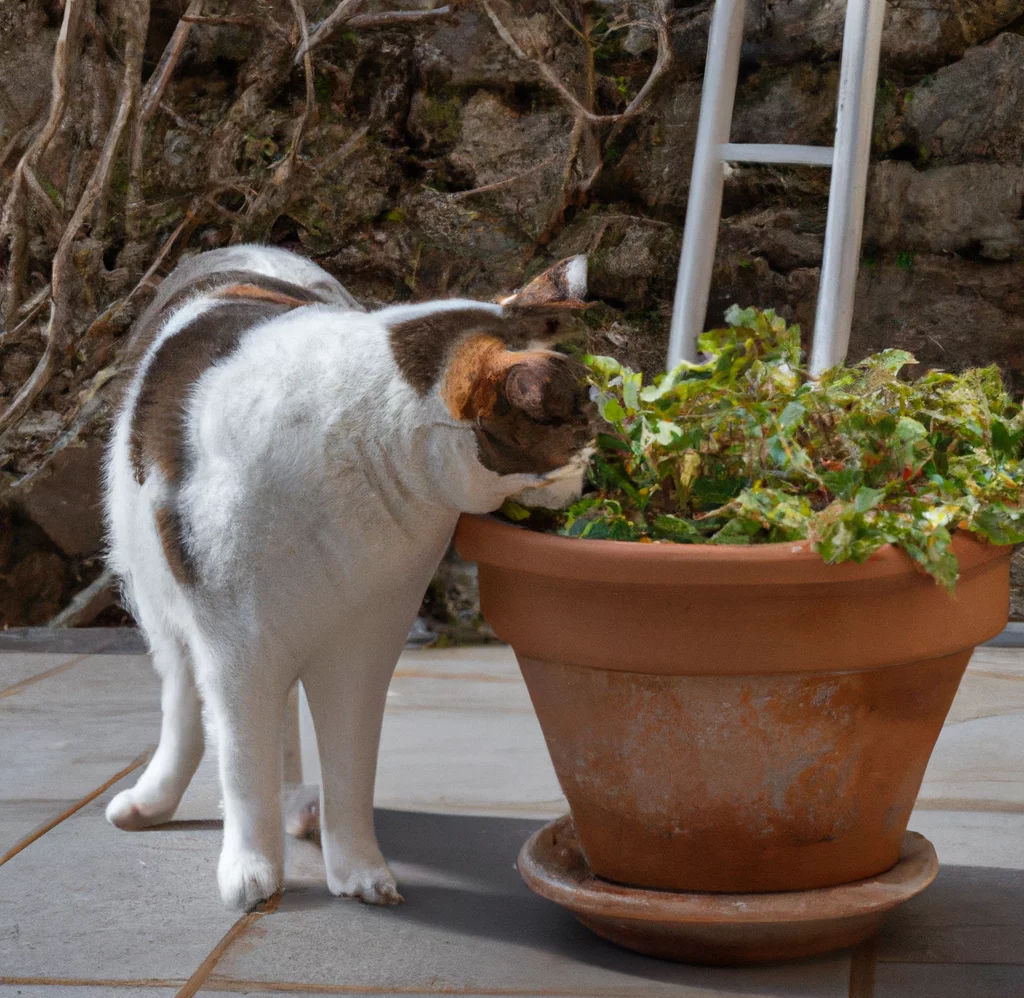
column 199, row 323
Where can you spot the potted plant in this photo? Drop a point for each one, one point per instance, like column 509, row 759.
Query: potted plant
column 743, row 640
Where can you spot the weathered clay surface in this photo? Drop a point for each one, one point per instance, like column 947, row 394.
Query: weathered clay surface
column 720, row 928
column 771, row 729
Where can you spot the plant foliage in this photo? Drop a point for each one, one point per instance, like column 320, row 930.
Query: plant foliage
column 745, row 448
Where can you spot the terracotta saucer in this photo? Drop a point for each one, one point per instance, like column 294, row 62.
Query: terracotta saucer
column 720, row 928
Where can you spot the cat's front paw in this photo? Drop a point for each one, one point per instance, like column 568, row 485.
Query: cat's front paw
column 246, row 878
column 371, row 885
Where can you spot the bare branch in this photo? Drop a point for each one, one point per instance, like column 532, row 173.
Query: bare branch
column 41, row 297
column 456, row 195
column 550, row 75
column 339, row 156
column 337, row 17
column 504, row 33
column 181, row 121
column 398, row 18
column 13, row 221
column 37, row 381
column 89, row 603
column 241, row 20
column 137, row 20
column 157, row 83
column 658, row 70
column 307, row 68
column 6, row 335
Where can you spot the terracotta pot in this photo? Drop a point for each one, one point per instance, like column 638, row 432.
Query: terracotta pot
column 739, row 719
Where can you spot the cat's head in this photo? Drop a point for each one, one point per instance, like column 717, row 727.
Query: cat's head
column 529, row 404
column 496, row 372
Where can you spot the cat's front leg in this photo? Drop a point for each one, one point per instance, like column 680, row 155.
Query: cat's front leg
column 346, row 701
column 246, row 712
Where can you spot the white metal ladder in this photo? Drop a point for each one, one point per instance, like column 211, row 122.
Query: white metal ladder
column 848, row 158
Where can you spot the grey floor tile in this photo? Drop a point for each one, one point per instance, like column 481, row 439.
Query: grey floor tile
column 470, row 924
column 993, row 684
column 475, row 761
column 978, row 763
column 973, row 838
column 89, row 902
column 16, row 667
column 970, row 915
column 72, row 732
column 19, row 819
column 917, row 980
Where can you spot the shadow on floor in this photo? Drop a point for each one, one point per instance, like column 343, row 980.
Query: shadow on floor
column 461, row 878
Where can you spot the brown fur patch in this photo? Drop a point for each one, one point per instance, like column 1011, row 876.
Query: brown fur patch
column 172, row 539
column 157, row 434
column 531, row 409
column 466, row 390
column 261, row 294
column 420, row 346
column 163, row 305
column 243, row 299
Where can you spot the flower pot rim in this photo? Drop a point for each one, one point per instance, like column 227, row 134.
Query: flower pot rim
column 485, row 539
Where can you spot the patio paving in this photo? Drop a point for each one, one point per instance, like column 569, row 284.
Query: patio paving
column 89, row 911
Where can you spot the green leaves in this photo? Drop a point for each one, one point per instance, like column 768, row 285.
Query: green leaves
column 744, row 448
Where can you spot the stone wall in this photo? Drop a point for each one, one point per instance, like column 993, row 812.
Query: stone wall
column 451, row 157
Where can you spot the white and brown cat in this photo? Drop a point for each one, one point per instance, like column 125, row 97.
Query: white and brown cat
column 285, row 473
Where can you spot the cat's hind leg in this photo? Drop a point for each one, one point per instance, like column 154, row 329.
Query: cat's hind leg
column 245, row 697
column 156, row 795
column 346, row 700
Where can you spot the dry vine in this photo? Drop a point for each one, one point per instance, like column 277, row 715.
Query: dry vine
column 586, row 120
column 121, row 113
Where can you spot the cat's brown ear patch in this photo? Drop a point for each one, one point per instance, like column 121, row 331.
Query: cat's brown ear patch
column 562, row 286
column 473, row 378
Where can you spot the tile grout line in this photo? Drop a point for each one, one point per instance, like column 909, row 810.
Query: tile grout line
column 39, row 677
column 85, row 982
column 223, row 985
column 77, row 806
column 987, row 674
column 863, row 961
column 239, row 929
column 47, row 673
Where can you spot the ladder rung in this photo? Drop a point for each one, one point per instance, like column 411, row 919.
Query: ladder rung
column 781, row 155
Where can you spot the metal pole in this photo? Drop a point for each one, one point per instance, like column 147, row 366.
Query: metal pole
column 858, row 79
column 704, row 205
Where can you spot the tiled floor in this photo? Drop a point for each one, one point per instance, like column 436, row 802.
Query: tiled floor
column 87, row 911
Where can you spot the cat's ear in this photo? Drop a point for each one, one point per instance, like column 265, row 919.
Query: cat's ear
column 563, row 286
column 546, row 387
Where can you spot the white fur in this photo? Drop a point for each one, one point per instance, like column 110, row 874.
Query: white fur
column 322, row 495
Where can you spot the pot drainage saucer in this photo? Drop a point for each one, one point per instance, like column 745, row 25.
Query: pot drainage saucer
column 720, row 928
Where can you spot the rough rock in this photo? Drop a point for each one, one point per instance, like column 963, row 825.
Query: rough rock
column 35, row 580
column 971, row 208
column 654, row 169
column 918, row 33
column 499, row 144
column 66, row 499
column 972, row 109
column 28, row 33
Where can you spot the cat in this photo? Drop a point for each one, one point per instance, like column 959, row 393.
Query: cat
column 285, row 473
